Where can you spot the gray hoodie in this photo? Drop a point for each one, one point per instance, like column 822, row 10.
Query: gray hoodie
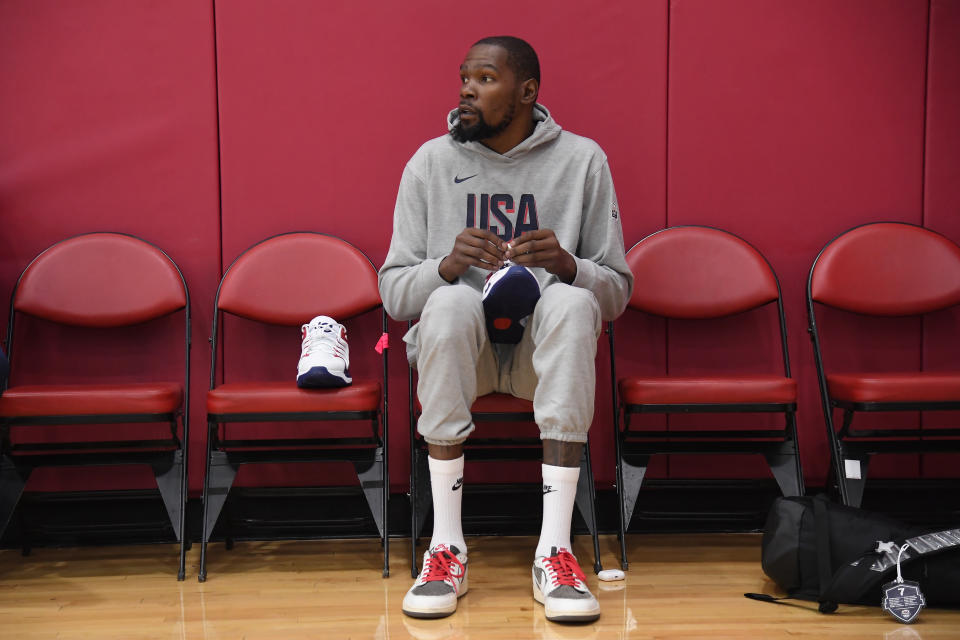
column 552, row 180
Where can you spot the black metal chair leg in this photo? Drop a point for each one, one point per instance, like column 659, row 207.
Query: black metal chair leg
column 370, row 473
column 222, row 473
column 423, row 499
column 168, row 472
column 204, row 535
column 586, row 503
column 386, row 526
column 184, row 491
column 854, row 478
column 216, row 486
column 385, row 496
column 618, row 447
column 413, row 508
column 850, row 470
column 622, row 532
column 632, row 469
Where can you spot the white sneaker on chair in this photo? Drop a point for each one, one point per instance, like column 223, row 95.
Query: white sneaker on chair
column 324, row 354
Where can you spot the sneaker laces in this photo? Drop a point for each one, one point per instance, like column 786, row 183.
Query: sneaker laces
column 321, row 338
column 565, row 570
column 442, row 565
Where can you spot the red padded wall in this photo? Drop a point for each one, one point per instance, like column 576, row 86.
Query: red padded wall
column 322, row 104
column 784, row 122
column 942, row 194
column 108, row 122
column 790, row 122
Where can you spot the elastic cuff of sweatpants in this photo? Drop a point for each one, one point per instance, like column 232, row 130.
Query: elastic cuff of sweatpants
column 563, row 436
column 460, row 438
column 444, row 443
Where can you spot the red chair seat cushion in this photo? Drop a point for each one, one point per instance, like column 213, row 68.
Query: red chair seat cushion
column 916, row 386
column 708, row 389
column 287, row 397
column 91, row 399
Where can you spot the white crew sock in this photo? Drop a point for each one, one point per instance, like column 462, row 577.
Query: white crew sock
column 559, row 493
column 446, row 479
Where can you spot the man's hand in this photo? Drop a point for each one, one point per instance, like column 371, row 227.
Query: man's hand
column 473, row 248
column 541, row 248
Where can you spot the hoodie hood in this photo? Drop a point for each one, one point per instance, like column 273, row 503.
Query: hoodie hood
column 545, row 130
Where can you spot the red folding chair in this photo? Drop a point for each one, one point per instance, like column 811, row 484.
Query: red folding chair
column 701, row 274
column 287, row 280
column 876, row 270
column 95, row 282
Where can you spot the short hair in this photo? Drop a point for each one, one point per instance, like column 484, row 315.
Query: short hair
column 521, row 57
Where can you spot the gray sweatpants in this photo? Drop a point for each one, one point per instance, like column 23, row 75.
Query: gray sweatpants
column 553, row 364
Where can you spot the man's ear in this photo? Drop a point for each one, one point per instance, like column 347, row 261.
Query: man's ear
column 529, row 90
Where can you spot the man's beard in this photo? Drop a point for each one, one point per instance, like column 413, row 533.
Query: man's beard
column 481, row 130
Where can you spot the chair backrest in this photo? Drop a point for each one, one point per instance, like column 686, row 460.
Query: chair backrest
column 100, row 280
column 887, row 269
column 290, row 278
column 698, row 272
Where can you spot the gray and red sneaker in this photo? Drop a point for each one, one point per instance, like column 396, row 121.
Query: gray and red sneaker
column 560, row 586
column 442, row 581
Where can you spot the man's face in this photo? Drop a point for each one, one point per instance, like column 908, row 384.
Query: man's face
column 488, row 94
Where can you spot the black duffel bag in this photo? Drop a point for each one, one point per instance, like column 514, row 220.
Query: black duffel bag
column 833, row 554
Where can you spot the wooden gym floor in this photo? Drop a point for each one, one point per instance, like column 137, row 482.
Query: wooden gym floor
column 683, row 586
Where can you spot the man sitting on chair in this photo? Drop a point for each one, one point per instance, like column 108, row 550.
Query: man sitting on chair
column 506, row 186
